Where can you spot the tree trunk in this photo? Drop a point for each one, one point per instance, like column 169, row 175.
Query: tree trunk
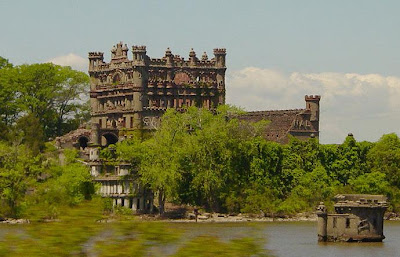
column 161, row 202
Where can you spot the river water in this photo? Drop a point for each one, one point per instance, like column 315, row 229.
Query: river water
column 286, row 239
column 297, row 239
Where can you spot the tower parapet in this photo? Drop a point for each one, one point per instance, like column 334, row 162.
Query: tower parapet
column 95, row 58
column 119, row 52
column 220, row 54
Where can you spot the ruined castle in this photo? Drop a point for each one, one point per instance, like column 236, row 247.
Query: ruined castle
column 357, row 218
column 129, row 95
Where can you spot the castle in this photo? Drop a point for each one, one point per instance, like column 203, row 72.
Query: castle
column 133, row 94
column 130, row 95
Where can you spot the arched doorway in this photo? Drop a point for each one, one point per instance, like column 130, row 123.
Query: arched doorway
column 83, row 142
column 109, row 139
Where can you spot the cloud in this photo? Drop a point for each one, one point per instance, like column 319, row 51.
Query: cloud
column 365, row 104
column 75, row 61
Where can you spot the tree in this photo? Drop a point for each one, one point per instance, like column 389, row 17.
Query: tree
column 385, row 157
column 18, row 170
column 4, row 63
column 371, row 183
column 9, row 108
column 160, row 157
column 29, row 130
column 50, row 92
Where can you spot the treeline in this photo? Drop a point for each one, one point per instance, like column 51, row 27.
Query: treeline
column 216, row 161
column 41, row 101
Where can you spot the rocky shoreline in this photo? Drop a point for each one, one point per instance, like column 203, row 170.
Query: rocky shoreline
column 14, row 221
column 219, row 218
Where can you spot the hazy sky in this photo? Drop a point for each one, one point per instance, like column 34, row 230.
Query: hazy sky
column 278, row 51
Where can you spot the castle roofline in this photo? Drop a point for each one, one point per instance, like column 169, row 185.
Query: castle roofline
column 276, row 112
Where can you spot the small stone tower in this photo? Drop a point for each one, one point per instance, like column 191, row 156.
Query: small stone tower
column 357, row 218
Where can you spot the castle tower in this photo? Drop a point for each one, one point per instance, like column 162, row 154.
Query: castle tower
column 139, row 79
column 192, row 58
column 312, row 104
column 220, row 55
column 95, row 58
column 139, row 55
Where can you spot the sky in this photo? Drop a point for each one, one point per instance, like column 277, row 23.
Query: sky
column 277, row 51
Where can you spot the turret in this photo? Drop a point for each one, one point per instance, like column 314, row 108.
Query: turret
column 220, row 54
column 312, row 104
column 204, row 57
column 95, row 58
column 139, row 55
column 192, row 57
column 169, row 57
column 119, row 51
column 322, row 222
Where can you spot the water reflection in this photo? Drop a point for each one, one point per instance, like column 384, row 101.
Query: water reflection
column 297, row 239
column 300, row 239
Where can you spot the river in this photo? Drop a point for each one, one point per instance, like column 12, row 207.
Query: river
column 286, row 239
column 297, row 239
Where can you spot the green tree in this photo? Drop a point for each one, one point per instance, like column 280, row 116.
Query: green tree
column 160, row 157
column 9, row 108
column 371, row 183
column 4, row 63
column 50, row 92
column 385, row 157
column 29, row 130
column 18, row 171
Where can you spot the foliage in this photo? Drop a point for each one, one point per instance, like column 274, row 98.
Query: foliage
column 49, row 92
column 18, row 170
column 65, row 185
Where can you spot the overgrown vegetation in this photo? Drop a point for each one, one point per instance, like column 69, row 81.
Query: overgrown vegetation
column 215, row 161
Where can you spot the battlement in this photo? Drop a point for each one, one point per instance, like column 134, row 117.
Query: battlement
column 312, row 97
column 219, row 51
column 139, row 48
column 96, row 55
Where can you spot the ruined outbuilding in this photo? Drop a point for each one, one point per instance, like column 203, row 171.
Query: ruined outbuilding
column 357, row 217
column 299, row 123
